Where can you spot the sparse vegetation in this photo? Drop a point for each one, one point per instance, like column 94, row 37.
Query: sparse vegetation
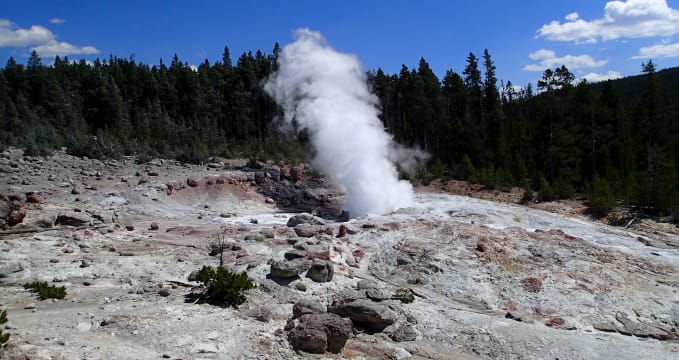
column 46, row 291
column 223, row 287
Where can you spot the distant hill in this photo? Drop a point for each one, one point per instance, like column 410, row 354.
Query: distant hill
column 632, row 87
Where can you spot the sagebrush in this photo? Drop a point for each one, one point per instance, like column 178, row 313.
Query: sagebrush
column 223, row 287
column 46, row 291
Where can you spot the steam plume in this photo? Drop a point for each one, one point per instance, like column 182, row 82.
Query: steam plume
column 325, row 92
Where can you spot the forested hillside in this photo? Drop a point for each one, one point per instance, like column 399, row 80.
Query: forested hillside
column 615, row 141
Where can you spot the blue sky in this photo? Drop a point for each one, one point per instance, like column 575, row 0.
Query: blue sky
column 594, row 39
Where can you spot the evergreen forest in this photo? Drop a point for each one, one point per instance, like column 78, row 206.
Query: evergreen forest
column 615, row 142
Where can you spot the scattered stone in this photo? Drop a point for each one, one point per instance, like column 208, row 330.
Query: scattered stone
column 404, row 332
column 321, row 271
column 16, row 217
column 555, row 322
column 300, row 286
column 107, row 321
column 129, row 227
column 192, row 275
column 164, row 292
column 30, row 306
column 84, row 263
column 153, row 226
column 191, row 182
column 318, row 333
column 32, row 198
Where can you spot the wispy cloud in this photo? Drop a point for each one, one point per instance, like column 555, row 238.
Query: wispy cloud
column 547, row 59
column 658, row 51
column 57, row 21
column 621, row 19
column 40, row 39
column 53, row 48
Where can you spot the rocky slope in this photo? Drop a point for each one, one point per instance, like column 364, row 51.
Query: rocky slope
column 451, row 277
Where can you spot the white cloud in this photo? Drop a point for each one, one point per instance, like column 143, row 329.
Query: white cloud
column 57, row 21
column 17, row 37
column 622, row 19
column 53, row 47
column 658, row 51
column 547, row 59
column 572, row 16
column 595, row 77
column 40, row 39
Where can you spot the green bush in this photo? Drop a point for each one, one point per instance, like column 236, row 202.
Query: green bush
column 222, row 287
column 4, row 338
column 46, row 291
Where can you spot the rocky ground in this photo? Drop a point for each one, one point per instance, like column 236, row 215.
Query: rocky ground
column 452, row 277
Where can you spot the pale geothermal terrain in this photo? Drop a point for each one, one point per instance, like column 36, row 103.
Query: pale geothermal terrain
column 489, row 279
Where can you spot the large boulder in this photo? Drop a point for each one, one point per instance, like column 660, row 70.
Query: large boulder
column 367, row 313
column 321, row 271
column 304, row 218
column 307, row 230
column 287, row 269
column 318, row 333
column 306, row 306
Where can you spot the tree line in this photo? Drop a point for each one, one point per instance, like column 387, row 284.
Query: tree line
column 567, row 138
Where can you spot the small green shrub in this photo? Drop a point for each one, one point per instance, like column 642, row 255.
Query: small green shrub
column 4, row 338
column 222, row 287
column 46, row 291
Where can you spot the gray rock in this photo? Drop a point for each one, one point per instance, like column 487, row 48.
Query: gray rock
column 404, row 333
column 287, row 269
column 367, row 313
column 5, row 208
column 318, row 333
column 304, row 218
column 295, row 254
column 261, row 313
column 306, row 306
column 73, row 218
column 307, row 230
column 321, row 271
column 192, row 275
column 164, row 292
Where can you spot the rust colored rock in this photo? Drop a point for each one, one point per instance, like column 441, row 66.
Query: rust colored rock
column 32, row 198
column 318, row 333
column 129, row 227
column 358, row 253
column 191, row 182
column 16, row 217
column 555, row 322
column 342, row 231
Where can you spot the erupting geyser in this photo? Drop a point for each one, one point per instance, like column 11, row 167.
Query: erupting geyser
column 325, row 92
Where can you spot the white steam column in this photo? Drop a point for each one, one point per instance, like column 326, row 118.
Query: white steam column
column 325, row 91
